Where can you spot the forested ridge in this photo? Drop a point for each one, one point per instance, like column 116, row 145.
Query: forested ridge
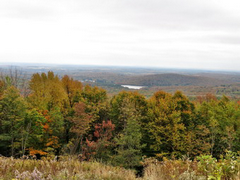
column 173, row 79
column 60, row 116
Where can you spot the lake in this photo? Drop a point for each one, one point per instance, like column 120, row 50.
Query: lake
column 132, row 87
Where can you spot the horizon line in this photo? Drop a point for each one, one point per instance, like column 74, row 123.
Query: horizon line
column 119, row 66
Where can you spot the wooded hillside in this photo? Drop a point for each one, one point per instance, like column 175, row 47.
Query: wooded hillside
column 61, row 116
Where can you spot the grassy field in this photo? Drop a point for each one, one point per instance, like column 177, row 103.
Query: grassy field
column 65, row 169
column 205, row 168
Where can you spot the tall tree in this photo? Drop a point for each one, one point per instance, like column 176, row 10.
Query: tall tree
column 73, row 89
column 12, row 116
column 119, row 111
column 100, row 144
column 165, row 125
column 96, row 104
column 129, row 143
column 47, row 91
column 80, row 125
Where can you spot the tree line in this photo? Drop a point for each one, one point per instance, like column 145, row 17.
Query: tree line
column 61, row 116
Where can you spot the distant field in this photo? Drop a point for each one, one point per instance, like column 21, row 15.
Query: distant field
column 191, row 82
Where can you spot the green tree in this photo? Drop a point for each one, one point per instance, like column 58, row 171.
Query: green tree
column 186, row 109
column 222, row 119
column 120, row 112
column 35, row 141
column 165, row 126
column 129, row 143
column 95, row 100
column 12, row 116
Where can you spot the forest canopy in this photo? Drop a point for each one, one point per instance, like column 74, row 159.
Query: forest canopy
column 61, row 116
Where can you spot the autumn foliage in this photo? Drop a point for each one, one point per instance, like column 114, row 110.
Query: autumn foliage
column 61, row 116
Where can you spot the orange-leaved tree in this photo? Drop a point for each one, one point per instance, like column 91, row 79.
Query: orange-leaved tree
column 80, row 125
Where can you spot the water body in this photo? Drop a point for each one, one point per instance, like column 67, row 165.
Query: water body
column 132, row 87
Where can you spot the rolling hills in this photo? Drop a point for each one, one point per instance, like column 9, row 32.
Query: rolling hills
column 170, row 79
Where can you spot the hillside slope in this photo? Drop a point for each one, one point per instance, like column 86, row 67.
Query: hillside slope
column 173, row 80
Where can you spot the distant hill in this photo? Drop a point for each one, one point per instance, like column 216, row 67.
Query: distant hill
column 109, row 76
column 234, row 77
column 171, row 79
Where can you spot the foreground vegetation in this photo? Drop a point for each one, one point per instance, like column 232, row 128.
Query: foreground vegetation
column 65, row 169
column 205, row 168
column 50, row 116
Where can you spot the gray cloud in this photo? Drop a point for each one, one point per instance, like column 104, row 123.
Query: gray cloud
column 164, row 33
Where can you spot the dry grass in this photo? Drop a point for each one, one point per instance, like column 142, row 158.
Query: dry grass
column 171, row 170
column 191, row 170
column 65, row 169
column 72, row 169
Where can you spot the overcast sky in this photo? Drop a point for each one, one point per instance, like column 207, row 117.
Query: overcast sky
column 200, row 34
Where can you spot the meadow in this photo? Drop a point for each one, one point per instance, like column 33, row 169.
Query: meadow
column 70, row 167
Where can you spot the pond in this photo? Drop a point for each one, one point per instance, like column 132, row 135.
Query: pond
column 133, row 87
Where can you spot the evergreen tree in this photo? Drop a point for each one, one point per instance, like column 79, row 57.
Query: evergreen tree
column 129, row 145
